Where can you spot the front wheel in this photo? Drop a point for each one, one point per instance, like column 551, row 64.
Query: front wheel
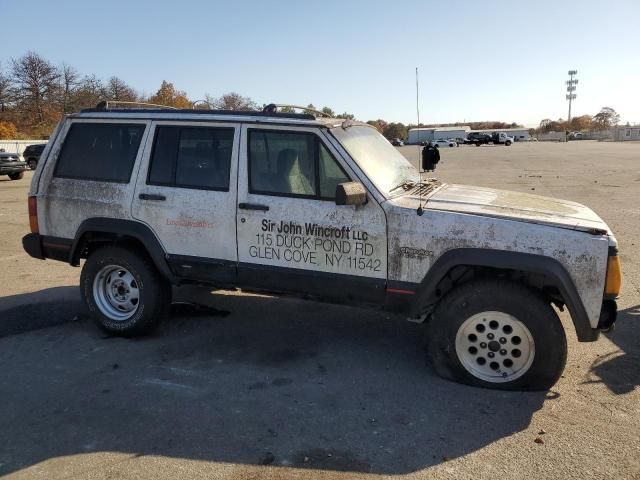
column 32, row 164
column 507, row 143
column 497, row 334
column 124, row 291
column 16, row 176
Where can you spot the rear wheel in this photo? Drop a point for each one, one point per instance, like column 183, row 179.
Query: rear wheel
column 16, row 176
column 123, row 290
column 497, row 334
column 32, row 164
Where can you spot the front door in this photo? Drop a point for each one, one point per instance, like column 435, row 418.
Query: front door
column 292, row 236
column 186, row 193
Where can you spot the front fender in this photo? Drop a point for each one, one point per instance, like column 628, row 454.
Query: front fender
column 508, row 260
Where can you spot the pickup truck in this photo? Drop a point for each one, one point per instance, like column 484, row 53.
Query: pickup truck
column 496, row 138
column 11, row 165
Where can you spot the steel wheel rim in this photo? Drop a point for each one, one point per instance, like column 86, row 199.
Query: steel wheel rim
column 495, row 347
column 116, row 292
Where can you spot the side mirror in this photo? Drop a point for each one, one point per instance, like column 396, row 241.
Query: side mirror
column 351, row 193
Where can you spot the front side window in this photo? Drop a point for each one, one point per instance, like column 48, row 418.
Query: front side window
column 102, row 152
column 192, row 157
column 292, row 164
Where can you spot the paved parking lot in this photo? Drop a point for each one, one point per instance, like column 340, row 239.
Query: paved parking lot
column 261, row 387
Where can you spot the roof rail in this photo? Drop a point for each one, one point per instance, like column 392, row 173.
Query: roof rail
column 273, row 108
column 106, row 104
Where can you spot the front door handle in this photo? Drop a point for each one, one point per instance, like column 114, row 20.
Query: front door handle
column 151, row 196
column 253, row 206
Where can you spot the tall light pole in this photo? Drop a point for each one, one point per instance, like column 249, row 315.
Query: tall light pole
column 571, row 87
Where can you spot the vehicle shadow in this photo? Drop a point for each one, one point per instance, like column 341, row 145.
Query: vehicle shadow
column 258, row 381
column 619, row 370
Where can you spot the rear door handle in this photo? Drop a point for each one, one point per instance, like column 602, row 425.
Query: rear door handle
column 253, row 206
column 151, row 196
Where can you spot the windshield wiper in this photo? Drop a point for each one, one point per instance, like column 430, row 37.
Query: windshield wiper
column 405, row 183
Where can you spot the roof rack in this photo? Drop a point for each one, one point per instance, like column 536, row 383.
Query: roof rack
column 143, row 107
column 273, row 108
column 106, row 104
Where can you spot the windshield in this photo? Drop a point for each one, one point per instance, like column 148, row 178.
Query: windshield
column 385, row 166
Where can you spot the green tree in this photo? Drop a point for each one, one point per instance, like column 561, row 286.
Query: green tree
column 379, row 124
column 395, row 130
column 328, row 111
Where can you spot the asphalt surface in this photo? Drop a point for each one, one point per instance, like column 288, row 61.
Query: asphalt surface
column 262, row 387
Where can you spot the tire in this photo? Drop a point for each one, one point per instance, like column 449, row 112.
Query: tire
column 32, row 164
column 528, row 334
column 16, row 176
column 123, row 291
column 477, row 144
column 507, row 143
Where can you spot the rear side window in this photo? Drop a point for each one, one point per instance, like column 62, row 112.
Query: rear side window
column 102, row 152
column 192, row 157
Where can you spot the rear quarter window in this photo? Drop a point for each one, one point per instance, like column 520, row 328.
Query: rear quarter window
column 102, row 152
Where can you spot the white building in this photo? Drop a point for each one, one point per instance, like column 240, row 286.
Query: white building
column 622, row 133
column 18, row 146
column 426, row 134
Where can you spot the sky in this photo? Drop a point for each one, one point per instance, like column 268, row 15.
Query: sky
column 492, row 60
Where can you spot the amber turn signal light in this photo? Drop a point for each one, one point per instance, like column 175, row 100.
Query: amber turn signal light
column 33, row 214
column 614, row 277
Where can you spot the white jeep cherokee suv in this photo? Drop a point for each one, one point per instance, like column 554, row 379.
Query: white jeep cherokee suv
column 321, row 207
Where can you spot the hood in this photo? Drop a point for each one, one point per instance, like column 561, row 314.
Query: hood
column 515, row 206
column 523, row 207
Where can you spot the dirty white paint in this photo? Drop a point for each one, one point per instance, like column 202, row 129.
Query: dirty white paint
column 383, row 239
column 194, row 222
column 63, row 203
column 437, row 230
column 310, row 234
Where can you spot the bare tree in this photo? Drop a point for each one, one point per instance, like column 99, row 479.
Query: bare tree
column 235, row 101
column 89, row 93
column 35, row 80
column 606, row 118
column 69, row 82
column 5, row 90
column 117, row 89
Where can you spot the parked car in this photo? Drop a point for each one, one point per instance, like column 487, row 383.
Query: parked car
column 396, row 142
column 322, row 208
column 11, row 165
column 32, row 154
column 444, row 143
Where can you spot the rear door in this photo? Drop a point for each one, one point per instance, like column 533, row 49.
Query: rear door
column 292, row 236
column 186, row 192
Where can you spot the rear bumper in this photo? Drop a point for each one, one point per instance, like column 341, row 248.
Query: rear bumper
column 42, row 246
